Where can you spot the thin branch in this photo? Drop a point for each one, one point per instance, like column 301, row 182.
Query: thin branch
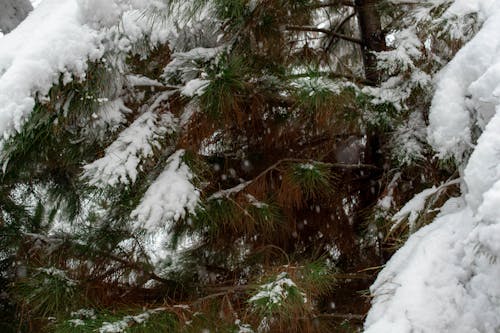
column 223, row 291
column 336, row 75
column 126, row 263
column 136, row 266
column 238, row 188
column 335, row 4
column 325, row 31
column 339, row 27
column 348, row 316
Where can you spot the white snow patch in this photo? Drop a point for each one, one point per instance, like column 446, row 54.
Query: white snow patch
column 123, row 158
column 461, row 84
column 51, row 41
column 275, row 292
column 171, row 196
column 58, row 39
column 195, row 87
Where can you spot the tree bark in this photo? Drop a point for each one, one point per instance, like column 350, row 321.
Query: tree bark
column 372, row 36
column 373, row 40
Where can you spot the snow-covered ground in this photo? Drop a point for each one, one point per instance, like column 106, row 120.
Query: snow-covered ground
column 446, row 278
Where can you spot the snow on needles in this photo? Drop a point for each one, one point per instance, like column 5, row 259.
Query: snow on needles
column 51, row 41
column 169, row 198
column 445, row 278
column 123, row 158
column 59, row 38
column 457, row 91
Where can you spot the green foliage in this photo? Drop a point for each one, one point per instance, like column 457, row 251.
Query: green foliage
column 314, row 179
column 226, row 90
column 47, row 292
column 232, row 10
column 279, row 294
column 216, row 215
column 317, row 277
column 381, row 116
column 258, row 102
column 315, row 95
column 225, row 216
column 267, row 216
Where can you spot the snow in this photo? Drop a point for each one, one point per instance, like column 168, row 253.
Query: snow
column 123, row 158
column 195, row 87
column 59, row 275
column 466, row 75
column 409, row 139
column 414, row 207
column 243, row 328
column 76, row 322
column 110, row 116
column 59, row 38
column 274, row 292
column 84, row 313
column 35, row 3
column 52, row 40
column 124, row 324
column 438, row 282
column 228, row 192
column 169, row 198
column 186, row 65
column 445, row 278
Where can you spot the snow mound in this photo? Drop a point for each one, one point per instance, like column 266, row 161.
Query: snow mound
column 445, row 278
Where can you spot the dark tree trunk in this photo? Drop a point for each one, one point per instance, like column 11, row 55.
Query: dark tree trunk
column 372, row 36
column 373, row 40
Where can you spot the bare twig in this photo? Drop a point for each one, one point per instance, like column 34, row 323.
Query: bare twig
column 335, row 4
column 338, row 28
column 325, row 31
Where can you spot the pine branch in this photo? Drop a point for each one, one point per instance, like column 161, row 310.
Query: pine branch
column 238, row 188
column 325, row 31
column 137, row 266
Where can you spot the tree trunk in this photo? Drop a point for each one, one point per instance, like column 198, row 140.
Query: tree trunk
column 372, row 36
column 373, row 40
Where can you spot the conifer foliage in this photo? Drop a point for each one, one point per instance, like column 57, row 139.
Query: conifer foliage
column 221, row 166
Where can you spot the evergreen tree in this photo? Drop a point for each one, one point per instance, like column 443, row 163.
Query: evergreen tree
column 237, row 176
